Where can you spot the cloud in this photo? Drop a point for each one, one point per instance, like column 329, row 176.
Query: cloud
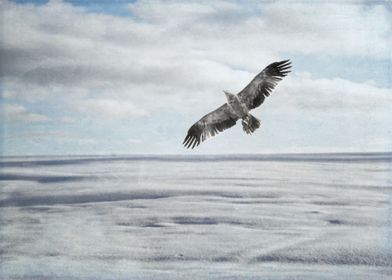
column 170, row 60
column 336, row 29
column 134, row 141
column 299, row 91
column 172, row 48
column 42, row 134
column 109, row 109
column 14, row 112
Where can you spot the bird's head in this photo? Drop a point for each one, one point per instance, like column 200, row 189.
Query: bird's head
column 229, row 95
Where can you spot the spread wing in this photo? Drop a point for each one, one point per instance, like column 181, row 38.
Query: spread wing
column 209, row 125
column 261, row 86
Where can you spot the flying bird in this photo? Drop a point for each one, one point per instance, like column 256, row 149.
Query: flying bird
column 238, row 106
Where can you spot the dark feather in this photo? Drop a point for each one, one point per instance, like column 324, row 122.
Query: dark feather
column 210, row 125
column 261, row 86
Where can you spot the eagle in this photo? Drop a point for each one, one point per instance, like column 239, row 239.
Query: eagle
column 238, row 106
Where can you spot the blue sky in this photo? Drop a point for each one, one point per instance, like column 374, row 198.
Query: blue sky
column 130, row 77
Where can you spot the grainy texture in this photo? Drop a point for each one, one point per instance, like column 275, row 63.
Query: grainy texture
column 190, row 218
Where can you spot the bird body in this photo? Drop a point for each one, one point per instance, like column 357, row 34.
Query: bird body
column 238, row 106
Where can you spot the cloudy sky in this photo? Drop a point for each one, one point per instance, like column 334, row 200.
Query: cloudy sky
column 130, row 77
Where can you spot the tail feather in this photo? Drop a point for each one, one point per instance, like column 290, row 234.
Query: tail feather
column 250, row 124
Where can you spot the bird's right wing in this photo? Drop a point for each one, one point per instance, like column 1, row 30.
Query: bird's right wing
column 210, row 125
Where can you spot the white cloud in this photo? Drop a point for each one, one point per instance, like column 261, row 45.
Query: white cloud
column 173, row 48
column 15, row 112
column 68, row 120
column 42, row 134
column 177, row 56
column 299, row 91
column 133, row 141
column 109, row 109
column 337, row 29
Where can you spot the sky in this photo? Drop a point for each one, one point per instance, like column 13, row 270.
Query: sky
column 130, row 77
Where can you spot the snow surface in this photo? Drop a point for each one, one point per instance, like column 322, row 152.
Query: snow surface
column 193, row 218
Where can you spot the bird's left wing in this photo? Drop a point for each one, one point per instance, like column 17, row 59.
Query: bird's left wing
column 210, row 125
column 261, row 86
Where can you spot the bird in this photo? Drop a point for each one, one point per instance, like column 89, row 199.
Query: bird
column 238, row 106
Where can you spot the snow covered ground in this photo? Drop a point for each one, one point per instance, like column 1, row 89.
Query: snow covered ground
column 233, row 217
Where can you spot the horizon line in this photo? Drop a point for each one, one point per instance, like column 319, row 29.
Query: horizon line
column 198, row 155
